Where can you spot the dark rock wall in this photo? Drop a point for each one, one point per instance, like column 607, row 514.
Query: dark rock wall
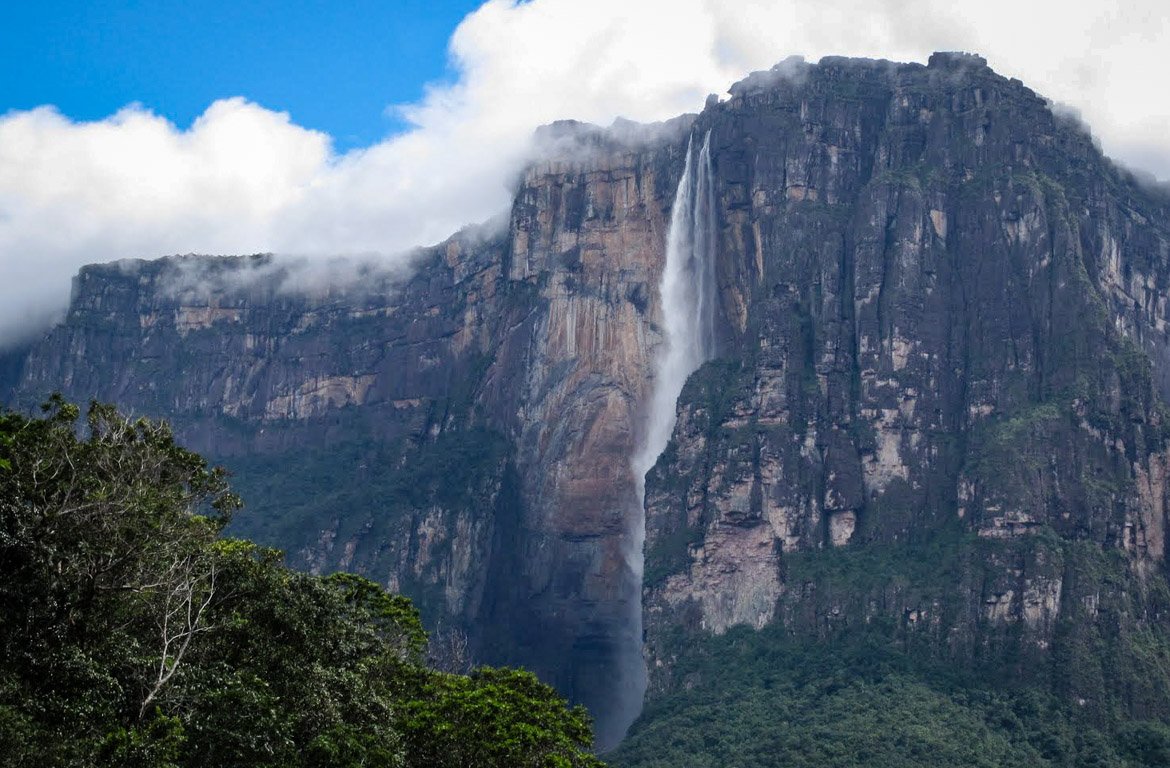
column 944, row 332
column 942, row 326
column 461, row 433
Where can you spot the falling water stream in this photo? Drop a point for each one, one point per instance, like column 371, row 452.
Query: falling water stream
column 688, row 304
column 687, row 295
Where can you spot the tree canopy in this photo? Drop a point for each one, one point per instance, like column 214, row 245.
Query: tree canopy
column 135, row 634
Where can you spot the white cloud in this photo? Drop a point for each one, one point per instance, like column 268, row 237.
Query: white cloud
column 245, row 179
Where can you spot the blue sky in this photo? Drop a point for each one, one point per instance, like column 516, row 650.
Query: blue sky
column 334, row 66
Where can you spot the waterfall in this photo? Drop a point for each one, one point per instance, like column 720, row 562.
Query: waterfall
column 687, row 293
column 688, row 305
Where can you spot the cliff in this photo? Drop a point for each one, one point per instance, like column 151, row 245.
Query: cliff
column 937, row 418
column 459, row 430
column 935, row 408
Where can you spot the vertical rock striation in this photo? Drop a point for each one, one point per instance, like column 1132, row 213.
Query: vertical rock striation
column 938, row 403
column 587, row 239
column 462, row 433
column 940, row 322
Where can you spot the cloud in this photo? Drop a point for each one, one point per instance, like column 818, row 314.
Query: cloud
column 133, row 185
column 245, row 179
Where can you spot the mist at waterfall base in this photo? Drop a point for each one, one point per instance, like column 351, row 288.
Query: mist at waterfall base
column 687, row 292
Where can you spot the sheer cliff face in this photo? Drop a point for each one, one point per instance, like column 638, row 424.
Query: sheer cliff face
column 462, row 433
column 330, row 405
column 944, row 325
column 941, row 323
column 587, row 238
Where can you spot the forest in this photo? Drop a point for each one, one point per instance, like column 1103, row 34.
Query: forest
column 135, row 633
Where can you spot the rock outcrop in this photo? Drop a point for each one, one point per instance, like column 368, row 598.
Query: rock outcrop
column 460, row 431
column 941, row 329
column 943, row 339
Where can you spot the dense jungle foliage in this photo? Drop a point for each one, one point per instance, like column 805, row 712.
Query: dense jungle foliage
column 860, row 698
column 132, row 633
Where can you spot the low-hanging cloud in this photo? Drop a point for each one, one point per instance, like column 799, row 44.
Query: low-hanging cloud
column 245, row 179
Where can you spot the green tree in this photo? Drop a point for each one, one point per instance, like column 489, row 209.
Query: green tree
column 105, row 572
column 133, row 634
column 494, row 718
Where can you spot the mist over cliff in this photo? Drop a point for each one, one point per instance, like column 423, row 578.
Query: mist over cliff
column 856, row 315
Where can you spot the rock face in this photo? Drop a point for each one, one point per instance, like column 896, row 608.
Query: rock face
column 461, row 433
column 944, row 326
column 339, row 410
column 941, row 324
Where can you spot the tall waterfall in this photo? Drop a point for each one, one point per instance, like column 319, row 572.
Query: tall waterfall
column 688, row 304
column 687, row 291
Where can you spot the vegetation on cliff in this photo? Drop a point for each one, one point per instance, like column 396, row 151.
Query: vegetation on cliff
column 862, row 698
column 134, row 634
